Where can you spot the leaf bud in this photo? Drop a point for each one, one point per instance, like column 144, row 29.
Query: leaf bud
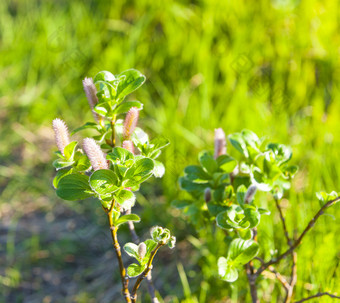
column 207, row 194
column 249, row 196
column 220, row 143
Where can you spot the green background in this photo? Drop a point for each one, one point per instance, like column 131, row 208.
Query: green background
column 269, row 66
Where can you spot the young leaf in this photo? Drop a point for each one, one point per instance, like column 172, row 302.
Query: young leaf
column 104, row 76
column 127, row 218
column 69, row 150
column 240, row 194
column 132, row 250
column 135, row 270
column 242, row 251
column 104, row 181
column 129, row 81
column 74, row 187
column 120, row 155
column 208, row 162
column 88, row 125
column 226, row 163
column 60, row 174
column 226, row 271
column 125, row 198
column 238, row 142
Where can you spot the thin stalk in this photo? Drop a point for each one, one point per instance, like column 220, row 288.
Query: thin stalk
column 144, row 274
column 113, row 137
column 122, row 270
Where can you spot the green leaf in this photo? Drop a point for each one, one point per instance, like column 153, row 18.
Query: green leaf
column 197, row 174
column 115, row 216
column 325, row 197
column 208, row 162
column 74, row 187
column 240, row 251
column 127, row 218
column 252, row 216
column 226, row 271
column 104, row 181
column 159, row 169
column 135, row 270
column 82, row 163
column 69, row 150
column 103, row 109
column 125, row 107
column 245, row 234
column 129, row 81
column 105, row 91
column 132, row 250
column 282, row 152
column 180, row 204
column 290, row 171
column 226, row 163
column 159, row 143
column 139, row 172
column 263, row 211
column 125, row 198
column 120, row 155
column 238, row 142
column 60, row 174
column 88, row 125
column 104, row 76
column 61, row 163
column 240, row 194
column 190, row 186
column 150, row 246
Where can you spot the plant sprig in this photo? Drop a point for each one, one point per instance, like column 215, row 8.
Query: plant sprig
column 112, row 166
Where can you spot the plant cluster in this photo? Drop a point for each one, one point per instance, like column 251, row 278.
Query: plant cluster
column 223, row 189
column 111, row 167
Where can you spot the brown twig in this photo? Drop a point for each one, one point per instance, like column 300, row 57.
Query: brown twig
column 285, row 230
column 281, row 278
column 299, row 240
column 252, row 282
column 320, row 294
column 122, row 270
column 144, row 274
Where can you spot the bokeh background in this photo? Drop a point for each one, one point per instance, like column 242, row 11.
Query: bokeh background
column 269, row 66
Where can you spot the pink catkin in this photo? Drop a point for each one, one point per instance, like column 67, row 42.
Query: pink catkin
column 91, row 94
column 220, row 143
column 62, row 137
column 127, row 144
column 130, row 122
column 95, row 154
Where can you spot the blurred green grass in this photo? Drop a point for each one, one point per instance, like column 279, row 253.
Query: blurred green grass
column 270, row 66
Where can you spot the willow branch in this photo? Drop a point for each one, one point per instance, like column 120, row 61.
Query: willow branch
column 144, row 274
column 299, row 240
column 320, row 294
column 122, row 270
column 285, row 230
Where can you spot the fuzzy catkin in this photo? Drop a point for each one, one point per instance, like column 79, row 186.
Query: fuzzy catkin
column 130, row 122
column 62, row 137
column 220, row 143
column 91, row 94
column 95, row 154
column 128, row 144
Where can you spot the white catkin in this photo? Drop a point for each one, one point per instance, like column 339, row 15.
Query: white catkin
column 95, row 154
column 128, row 144
column 91, row 94
column 62, row 137
column 130, row 122
column 220, row 143
column 249, row 196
